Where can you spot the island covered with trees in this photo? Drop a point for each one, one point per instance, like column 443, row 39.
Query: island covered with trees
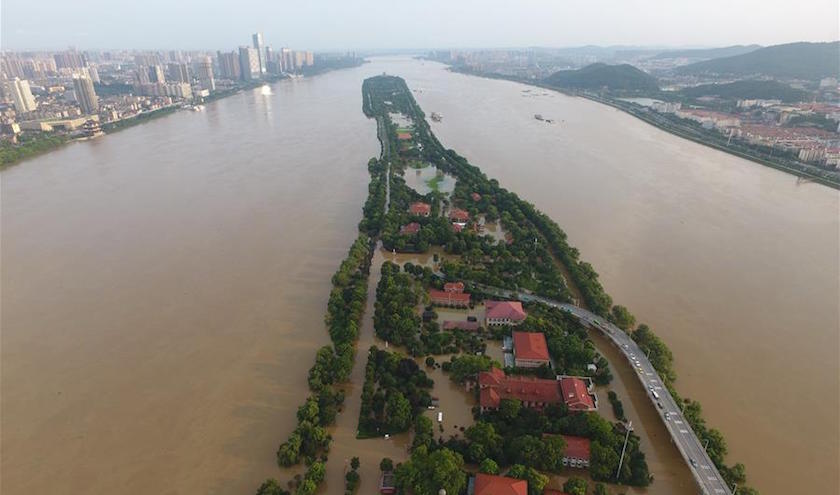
column 470, row 245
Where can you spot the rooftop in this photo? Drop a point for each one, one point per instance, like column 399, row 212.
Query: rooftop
column 489, row 484
column 530, row 345
column 500, row 310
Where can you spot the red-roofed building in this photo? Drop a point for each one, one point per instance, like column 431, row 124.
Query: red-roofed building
column 577, row 452
column 504, row 313
column 469, row 326
column 459, row 215
column 444, row 298
column 490, row 484
column 410, row 229
column 534, row 393
column 457, row 227
column 530, row 350
column 578, row 394
column 475, row 196
column 404, row 136
column 420, row 209
column 453, row 287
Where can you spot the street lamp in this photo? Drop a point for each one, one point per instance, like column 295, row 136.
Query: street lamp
column 623, row 449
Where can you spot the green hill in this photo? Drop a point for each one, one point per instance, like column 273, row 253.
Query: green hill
column 707, row 53
column 622, row 77
column 810, row 61
column 749, row 89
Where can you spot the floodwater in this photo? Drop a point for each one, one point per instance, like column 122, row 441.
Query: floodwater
column 164, row 287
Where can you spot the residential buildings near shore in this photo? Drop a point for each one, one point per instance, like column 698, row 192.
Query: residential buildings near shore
column 73, row 94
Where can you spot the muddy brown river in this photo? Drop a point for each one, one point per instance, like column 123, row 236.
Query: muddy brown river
column 163, row 288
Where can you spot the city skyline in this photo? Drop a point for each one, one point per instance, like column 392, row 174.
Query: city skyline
column 329, row 25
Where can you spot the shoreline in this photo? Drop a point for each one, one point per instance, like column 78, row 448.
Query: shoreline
column 142, row 118
column 802, row 174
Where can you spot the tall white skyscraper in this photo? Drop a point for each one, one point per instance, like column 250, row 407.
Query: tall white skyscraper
column 20, row 93
column 85, row 95
column 259, row 46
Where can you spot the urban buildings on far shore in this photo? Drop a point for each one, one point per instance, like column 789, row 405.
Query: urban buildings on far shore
column 52, row 91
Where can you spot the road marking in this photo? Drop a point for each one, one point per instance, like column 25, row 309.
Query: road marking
column 683, row 431
column 678, row 421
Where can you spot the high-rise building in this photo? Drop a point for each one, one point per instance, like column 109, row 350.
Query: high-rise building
column 93, row 72
column 310, row 58
column 85, row 95
column 205, row 73
column 179, row 72
column 259, row 46
column 156, row 74
column 300, row 59
column 286, row 60
column 229, row 66
column 11, row 66
column 71, row 59
column 18, row 90
column 249, row 63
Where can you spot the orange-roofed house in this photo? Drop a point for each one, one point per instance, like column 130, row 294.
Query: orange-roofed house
column 453, row 287
column 404, row 136
column 504, row 313
column 530, row 350
column 445, row 298
column 490, row 484
column 475, row 196
column 410, row 229
column 578, row 394
column 420, row 209
column 459, row 215
column 535, row 393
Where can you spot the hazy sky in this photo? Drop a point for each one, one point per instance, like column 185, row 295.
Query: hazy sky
column 368, row 24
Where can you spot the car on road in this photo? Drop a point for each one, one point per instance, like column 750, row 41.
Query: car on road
column 693, row 462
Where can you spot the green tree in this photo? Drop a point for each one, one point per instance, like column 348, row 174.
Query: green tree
column 386, row 464
column 426, row 474
column 271, row 487
column 488, row 466
column 622, row 318
column 601, row 489
column 398, row 412
column 354, row 463
column 575, row 486
column 509, row 408
column 536, row 480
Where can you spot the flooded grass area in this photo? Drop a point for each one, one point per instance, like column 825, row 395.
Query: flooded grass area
column 427, row 179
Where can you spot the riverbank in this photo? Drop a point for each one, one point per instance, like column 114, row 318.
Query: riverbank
column 804, row 171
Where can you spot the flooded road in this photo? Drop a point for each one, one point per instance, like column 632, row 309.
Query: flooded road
column 163, row 288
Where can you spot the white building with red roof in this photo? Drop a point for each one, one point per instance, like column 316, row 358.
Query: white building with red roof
column 530, row 350
column 446, row 298
column 578, row 393
column 535, row 393
column 503, row 313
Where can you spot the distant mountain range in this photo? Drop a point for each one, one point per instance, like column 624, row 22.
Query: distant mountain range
column 811, row 61
column 622, row 77
column 750, row 89
column 708, row 53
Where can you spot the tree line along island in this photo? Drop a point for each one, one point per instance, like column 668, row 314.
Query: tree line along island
column 531, row 376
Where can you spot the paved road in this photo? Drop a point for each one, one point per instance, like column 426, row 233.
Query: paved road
column 705, row 473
